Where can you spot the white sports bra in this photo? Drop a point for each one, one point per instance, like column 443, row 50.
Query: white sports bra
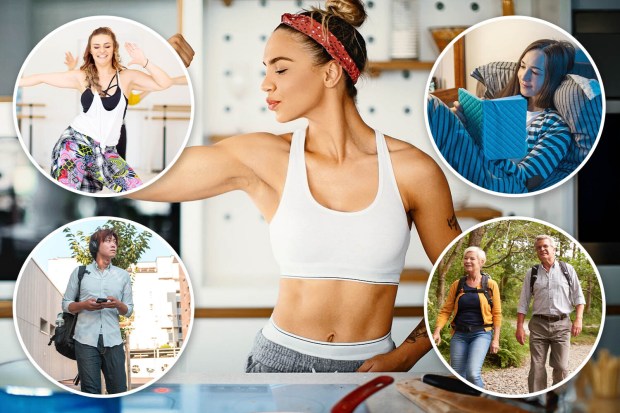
column 314, row 242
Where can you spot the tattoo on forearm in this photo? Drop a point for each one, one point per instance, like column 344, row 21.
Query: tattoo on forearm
column 418, row 333
column 453, row 223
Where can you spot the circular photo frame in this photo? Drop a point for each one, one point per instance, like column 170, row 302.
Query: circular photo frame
column 133, row 308
column 515, row 106
column 496, row 339
column 103, row 106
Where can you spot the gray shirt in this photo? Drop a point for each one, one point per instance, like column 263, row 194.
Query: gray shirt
column 112, row 281
column 552, row 294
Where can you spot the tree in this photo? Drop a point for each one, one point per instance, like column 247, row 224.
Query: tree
column 442, row 269
column 132, row 244
column 475, row 236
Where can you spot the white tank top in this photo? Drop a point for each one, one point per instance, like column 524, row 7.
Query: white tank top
column 100, row 124
column 314, row 242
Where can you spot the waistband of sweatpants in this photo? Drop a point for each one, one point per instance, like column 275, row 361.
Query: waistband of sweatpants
column 336, row 351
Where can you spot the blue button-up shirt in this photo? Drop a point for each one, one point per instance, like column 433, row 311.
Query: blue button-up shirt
column 112, row 281
column 552, row 294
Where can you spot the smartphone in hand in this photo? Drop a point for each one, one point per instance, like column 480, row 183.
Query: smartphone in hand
column 102, row 300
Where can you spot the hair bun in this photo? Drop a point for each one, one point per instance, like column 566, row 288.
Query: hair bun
column 351, row 11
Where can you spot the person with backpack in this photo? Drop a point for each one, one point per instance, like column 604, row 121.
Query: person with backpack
column 475, row 301
column 556, row 291
column 104, row 294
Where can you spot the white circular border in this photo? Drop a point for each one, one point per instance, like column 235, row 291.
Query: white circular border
column 585, row 360
column 103, row 220
column 175, row 56
column 538, row 21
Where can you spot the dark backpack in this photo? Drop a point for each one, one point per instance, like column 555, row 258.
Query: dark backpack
column 63, row 335
column 484, row 289
column 534, row 275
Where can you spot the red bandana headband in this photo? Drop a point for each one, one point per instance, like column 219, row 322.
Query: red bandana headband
column 310, row 27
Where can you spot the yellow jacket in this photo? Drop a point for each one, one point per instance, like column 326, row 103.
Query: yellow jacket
column 489, row 316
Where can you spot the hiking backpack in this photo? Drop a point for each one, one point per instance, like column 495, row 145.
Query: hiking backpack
column 484, row 289
column 534, row 275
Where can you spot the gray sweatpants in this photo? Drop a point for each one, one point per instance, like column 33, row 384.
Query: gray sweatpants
column 269, row 357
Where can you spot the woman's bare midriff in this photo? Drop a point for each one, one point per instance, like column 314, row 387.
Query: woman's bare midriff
column 335, row 310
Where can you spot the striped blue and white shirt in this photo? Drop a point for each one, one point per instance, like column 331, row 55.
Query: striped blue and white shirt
column 548, row 140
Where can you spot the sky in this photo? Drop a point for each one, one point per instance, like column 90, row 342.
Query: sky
column 56, row 245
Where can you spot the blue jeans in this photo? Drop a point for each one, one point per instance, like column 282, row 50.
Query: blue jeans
column 467, row 353
column 92, row 361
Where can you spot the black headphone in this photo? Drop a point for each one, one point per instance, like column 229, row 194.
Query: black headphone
column 93, row 245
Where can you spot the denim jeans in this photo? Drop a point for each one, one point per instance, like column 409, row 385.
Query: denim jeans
column 92, row 361
column 467, row 353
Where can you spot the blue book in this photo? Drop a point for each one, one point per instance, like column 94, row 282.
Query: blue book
column 498, row 126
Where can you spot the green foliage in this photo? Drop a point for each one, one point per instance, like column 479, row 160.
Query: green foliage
column 132, row 244
column 444, row 347
column 511, row 353
column 509, row 246
column 78, row 243
column 125, row 323
column 588, row 336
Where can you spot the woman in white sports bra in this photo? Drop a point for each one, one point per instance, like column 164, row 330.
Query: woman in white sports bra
column 85, row 156
column 339, row 197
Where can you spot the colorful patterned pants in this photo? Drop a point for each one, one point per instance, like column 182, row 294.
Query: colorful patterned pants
column 80, row 163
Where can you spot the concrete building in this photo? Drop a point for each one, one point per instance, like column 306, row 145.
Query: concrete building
column 37, row 304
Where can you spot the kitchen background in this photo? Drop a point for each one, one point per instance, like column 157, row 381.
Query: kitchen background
column 224, row 241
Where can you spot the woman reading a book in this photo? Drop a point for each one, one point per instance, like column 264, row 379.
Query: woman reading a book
column 540, row 70
column 340, row 199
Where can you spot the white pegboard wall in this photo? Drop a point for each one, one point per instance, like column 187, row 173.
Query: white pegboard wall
column 235, row 36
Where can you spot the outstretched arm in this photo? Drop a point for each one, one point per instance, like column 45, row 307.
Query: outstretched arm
column 205, row 171
column 70, row 79
column 138, row 97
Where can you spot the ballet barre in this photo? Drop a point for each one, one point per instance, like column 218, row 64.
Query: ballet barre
column 30, row 116
column 165, row 109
